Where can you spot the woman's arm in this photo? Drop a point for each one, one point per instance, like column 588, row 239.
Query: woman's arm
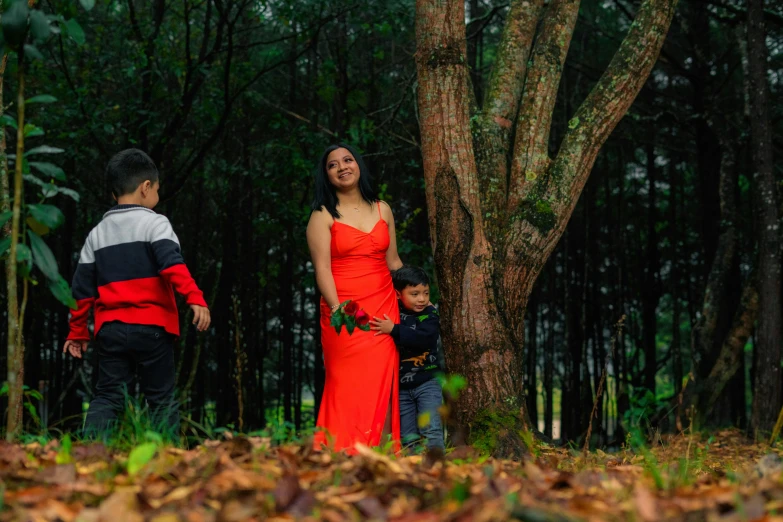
column 319, row 240
column 393, row 260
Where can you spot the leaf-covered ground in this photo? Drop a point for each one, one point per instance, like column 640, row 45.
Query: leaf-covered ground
column 687, row 478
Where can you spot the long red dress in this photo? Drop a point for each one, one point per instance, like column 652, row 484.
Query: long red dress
column 361, row 369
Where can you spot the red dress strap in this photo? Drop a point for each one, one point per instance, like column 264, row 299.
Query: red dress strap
column 379, row 209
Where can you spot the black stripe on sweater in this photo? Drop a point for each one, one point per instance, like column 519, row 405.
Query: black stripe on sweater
column 84, row 285
column 124, row 262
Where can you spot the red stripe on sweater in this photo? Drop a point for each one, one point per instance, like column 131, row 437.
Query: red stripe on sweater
column 180, row 278
column 79, row 331
column 148, row 300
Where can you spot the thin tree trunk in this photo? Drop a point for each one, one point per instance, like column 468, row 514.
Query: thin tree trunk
column 651, row 289
column 287, row 330
column 549, row 355
column 767, row 392
column 531, row 380
column 15, row 318
column 674, row 280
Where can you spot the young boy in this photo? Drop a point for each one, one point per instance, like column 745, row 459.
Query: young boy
column 126, row 271
column 417, row 339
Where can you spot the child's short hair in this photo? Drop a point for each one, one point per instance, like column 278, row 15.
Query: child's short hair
column 409, row 276
column 127, row 169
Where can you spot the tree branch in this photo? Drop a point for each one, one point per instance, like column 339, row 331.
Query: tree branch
column 492, row 129
column 508, row 75
column 731, row 350
column 531, row 147
column 191, row 87
column 605, row 106
column 181, row 176
column 483, row 21
column 769, row 15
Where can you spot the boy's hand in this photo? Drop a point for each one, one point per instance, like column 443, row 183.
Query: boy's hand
column 201, row 317
column 382, row 326
column 75, row 348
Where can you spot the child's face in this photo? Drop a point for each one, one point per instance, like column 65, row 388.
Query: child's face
column 415, row 298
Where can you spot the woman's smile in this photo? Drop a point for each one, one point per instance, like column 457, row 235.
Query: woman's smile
column 341, row 167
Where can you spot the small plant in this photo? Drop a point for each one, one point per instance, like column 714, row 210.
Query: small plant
column 28, row 395
column 64, row 453
column 529, row 439
column 651, row 464
column 643, row 407
column 136, row 427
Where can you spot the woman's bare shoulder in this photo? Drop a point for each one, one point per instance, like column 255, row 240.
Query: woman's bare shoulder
column 321, row 217
column 386, row 210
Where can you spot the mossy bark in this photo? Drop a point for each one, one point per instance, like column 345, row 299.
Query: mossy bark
column 494, row 222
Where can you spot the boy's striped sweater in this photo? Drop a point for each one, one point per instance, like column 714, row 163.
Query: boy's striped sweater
column 127, row 268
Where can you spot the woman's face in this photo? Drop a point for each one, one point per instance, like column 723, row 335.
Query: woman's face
column 342, row 169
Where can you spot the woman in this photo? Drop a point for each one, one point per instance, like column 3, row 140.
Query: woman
column 353, row 248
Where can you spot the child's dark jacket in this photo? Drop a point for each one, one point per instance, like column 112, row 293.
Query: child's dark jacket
column 417, row 339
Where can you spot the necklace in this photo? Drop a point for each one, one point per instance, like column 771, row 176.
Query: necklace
column 356, row 209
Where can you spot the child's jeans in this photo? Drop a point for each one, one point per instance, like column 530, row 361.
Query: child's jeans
column 124, row 349
column 422, row 401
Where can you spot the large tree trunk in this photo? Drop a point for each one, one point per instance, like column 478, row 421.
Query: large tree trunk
column 493, row 222
column 767, row 392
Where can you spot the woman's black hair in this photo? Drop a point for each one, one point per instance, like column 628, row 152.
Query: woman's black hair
column 326, row 194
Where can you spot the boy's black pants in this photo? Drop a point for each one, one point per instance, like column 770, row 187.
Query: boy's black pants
column 124, row 349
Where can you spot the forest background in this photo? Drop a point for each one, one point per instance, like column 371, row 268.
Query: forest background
column 236, row 99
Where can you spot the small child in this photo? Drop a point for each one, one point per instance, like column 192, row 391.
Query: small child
column 126, row 271
column 417, row 339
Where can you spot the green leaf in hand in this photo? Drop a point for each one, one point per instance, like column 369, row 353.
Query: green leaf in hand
column 337, row 320
column 350, row 324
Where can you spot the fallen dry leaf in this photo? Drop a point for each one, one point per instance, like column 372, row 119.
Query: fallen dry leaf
column 646, row 504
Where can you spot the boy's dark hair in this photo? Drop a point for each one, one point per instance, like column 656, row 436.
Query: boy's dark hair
column 407, row 276
column 326, row 194
column 127, row 169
